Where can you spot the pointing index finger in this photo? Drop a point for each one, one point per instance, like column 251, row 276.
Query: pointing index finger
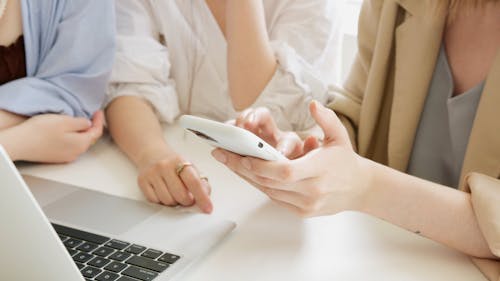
column 195, row 185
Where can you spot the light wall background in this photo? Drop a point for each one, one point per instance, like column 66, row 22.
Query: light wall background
column 349, row 13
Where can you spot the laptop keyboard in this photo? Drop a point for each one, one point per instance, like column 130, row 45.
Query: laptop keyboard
column 104, row 259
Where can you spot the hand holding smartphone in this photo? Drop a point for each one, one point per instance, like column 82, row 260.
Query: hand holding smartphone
column 231, row 138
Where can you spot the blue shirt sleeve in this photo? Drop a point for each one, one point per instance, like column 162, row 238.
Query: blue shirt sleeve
column 70, row 48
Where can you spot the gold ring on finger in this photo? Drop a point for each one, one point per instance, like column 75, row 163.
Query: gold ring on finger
column 180, row 167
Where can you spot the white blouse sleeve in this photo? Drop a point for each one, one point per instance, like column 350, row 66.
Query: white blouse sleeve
column 142, row 66
column 305, row 41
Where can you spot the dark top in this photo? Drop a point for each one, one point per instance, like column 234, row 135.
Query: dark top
column 12, row 61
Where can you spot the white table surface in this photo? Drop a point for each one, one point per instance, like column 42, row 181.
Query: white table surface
column 269, row 243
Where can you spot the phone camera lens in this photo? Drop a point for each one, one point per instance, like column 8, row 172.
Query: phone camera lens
column 261, row 145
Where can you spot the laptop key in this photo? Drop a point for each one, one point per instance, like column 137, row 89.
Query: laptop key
column 157, row 266
column 90, row 272
column 99, row 262
column 107, row 276
column 87, row 247
column 135, row 249
column 117, row 244
column 140, row 273
column 120, row 256
column 62, row 237
column 125, row 278
column 103, row 251
column 152, row 254
column 170, row 258
column 72, row 243
column 82, row 257
column 116, row 266
column 79, row 265
column 83, row 235
column 72, row 252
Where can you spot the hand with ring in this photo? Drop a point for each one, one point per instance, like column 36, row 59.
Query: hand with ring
column 164, row 175
column 171, row 181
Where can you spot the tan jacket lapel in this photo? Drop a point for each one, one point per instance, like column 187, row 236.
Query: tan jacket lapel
column 483, row 151
column 418, row 40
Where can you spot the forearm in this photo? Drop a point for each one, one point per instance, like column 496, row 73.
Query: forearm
column 136, row 129
column 251, row 61
column 8, row 119
column 440, row 213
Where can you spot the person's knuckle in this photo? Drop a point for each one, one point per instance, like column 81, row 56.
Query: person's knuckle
column 162, row 164
column 307, row 202
column 303, row 213
column 315, row 191
column 183, row 198
column 150, row 173
column 286, row 173
column 156, row 169
column 141, row 181
column 312, row 206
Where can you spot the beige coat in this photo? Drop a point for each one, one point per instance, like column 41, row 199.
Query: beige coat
column 399, row 42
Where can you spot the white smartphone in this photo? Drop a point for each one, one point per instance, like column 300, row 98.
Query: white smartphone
column 231, row 138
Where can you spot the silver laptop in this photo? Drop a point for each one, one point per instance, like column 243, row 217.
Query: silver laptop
column 53, row 231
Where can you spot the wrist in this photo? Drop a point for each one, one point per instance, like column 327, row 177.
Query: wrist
column 368, row 186
column 9, row 119
column 152, row 153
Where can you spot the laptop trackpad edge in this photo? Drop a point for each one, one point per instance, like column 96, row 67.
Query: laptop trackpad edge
column 98, row 211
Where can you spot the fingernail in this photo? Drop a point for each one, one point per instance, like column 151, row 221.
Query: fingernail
column 246, row 163
column 314, row 103
column 208, row 208
column 251, row 118
column 219, row 156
